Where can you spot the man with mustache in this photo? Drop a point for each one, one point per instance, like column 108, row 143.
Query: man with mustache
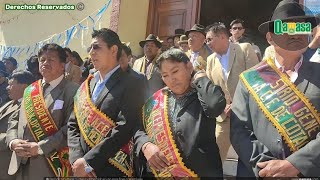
column 146, row 65
column 40, row 143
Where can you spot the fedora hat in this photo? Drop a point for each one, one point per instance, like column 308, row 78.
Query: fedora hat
column 197, row 28
column 153, row 38
column 287, row 10
column 183, row 39
column 178, row 32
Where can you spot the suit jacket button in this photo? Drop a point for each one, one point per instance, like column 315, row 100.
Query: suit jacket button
column 179, row 133
column 178, row 120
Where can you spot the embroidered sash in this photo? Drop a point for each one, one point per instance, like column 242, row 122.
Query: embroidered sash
column 283, row 104
column 156, row 124
column 94, row 125
column 42, row 126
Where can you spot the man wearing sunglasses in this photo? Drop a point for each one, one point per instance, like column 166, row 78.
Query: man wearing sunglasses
column 237, row 35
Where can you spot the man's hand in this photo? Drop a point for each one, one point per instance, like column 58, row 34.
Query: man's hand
column 31, row 147
column 155, row 157
column 78, row 169
column 17, row 146
column 277, row 168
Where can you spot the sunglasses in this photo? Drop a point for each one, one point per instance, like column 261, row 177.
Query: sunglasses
column 94, row 47
column 239, row 28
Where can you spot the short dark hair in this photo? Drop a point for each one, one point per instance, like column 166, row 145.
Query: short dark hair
column 67, row 49
column 11, row 59
column 23, row 77
column 53, row 47
column 218, row 28
column 78, row 57
column 237, row 21
column 110, row 37
column 126, row 49
column 173, row 54
column 32, row 63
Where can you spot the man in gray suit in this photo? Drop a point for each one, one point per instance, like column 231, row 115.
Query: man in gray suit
column 274, row 119
column 40, row 143
column 18, row 82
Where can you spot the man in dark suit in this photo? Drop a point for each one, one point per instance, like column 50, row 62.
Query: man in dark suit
column 107, row 109
column 39, row 143
column 18, row 82
column 180, row 118
column 274, row 119
column 146, row 65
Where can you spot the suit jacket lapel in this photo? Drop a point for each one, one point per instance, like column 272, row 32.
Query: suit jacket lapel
column 232, row 55
column 92, row 85
column 217, row 67
column 115, row 77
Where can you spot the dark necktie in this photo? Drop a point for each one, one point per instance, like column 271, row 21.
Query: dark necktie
column 45, row 86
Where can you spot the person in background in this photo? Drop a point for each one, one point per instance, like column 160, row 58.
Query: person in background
column 176, row 38
column 11, row 64
column 183, row 43
column 18, row 82
column 198, row 51
column 170, row 43
column 146, row 64
column 72, row 72
column 176, row 137
column 4, row 98
column 237, row 30
column 224, row 66
column 33, row 67
column 76, row 59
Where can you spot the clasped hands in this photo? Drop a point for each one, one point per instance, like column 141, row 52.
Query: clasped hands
column 24, row 148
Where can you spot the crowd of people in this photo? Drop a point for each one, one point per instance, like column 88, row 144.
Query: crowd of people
column 174, row 112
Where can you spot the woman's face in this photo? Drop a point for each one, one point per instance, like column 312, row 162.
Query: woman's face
column 176, row 75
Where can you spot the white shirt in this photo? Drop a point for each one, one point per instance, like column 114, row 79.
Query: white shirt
column 293, row 76
column 224, row 60
column 53, row 84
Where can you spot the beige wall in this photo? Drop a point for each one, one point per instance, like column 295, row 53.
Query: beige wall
column 133, row 22
column 34, row 26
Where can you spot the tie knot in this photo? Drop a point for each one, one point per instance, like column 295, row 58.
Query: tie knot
column 45, row 86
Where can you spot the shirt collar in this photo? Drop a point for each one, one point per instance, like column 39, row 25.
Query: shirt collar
column 107, row 76
column 296, row 67
column 54, row 83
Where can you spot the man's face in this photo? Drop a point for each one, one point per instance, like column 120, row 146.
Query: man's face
column 170, row 42
column 184, row 47
column 290, row 42
column 103, row 57
column 124, row 60
column 50, row 65
column 9, row 66
column 213, row 41
column 69, row 57
column 196, row 40
column 2, row 78
column 176, row 41
column 15, row 89
column 150, row 49
column 237, row 30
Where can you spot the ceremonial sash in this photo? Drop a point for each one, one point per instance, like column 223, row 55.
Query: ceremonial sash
column 157, row 126
column 94, row 125
column 283, row 104
column 42, row 126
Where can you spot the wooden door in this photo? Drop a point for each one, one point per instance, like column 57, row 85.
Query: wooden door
column 167, row 15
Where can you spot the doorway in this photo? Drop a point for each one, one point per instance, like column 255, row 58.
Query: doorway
column 253, row 12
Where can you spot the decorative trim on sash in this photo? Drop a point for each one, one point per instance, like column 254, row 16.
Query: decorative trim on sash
column 94, row 125
column 157, row 126
column 284, row 105
column 42, row 125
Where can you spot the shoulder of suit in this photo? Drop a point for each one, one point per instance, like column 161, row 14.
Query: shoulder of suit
column 245, row 46
column 70, row 85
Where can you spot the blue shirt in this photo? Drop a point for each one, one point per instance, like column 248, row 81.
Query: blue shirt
column 101, row 84
column 224, row 60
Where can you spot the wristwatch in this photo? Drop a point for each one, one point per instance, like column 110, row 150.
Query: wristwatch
column 88, row 168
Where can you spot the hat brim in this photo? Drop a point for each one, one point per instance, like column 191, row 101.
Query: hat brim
column 188, row 32
column 142, row 43
column 268, row 26
column 182, row 42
